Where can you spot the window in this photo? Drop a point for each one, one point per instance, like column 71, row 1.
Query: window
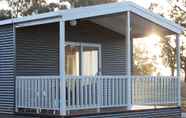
column 82, row 59
column 90, row 61
column 72, row 63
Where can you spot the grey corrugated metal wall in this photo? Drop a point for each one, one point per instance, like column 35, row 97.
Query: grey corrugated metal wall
column 37, row 48
column 7, row 63
column 114, row 46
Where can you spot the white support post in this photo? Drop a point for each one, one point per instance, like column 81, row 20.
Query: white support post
column 128, row 38
column 62, row 67
column 178, row 62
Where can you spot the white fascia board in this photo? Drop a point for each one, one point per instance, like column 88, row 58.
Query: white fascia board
column 93, row 11
column 8, row 21
column 38, row 22
column 30, row 18
column 36, row 17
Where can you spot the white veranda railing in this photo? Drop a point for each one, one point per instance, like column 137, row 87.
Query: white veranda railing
column 96, row 91
column 83, row 92
column 42, row 92
column 152, row 90
column 37, row 92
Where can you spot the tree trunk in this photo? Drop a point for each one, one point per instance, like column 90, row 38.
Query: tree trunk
column 172, row 71
column 185, row 74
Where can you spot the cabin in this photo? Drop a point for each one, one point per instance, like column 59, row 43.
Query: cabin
column 78, row 62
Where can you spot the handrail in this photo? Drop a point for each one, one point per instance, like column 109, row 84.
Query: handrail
column 37, row 77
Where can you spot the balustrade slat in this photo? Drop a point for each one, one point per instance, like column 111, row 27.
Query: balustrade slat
column 77, row 91
column 55, row 97
column 120, row 92
column 47, row 87
column 51, row 94
column 94, row 92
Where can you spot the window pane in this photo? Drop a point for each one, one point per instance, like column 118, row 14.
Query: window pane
column 90, row 61
column 72, row 60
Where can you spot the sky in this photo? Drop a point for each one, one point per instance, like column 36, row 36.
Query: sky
column 146, row 3
column 3, row 4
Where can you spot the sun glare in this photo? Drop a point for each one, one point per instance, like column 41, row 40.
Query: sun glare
column 152, row 41
column 151, row 49
column 154, row 36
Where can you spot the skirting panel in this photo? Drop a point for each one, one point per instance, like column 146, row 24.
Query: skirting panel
column 154, row 113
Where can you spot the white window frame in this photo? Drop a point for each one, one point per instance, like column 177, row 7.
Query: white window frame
column 82, row 46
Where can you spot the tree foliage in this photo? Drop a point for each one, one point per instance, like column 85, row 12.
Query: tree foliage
column 144, row 69
column 142, row 65
column 178, row 15
column 168, row 50
column 18, row 6
column 5, row 14
column 79, row 3
column 23, row 7
column 28, row 7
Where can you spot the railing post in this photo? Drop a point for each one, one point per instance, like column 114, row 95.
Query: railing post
column 62, row 102
column 99, row 90
column 128, row 38
column 178, row 68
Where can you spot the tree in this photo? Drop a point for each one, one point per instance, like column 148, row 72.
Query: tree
column 5, row 14
column 28, row 7
column 143, row 64
column 37, row 6
column 153, row 7
column 168, row 50
column 18, row 6
column 177, row 14
column 144, row 69
column 21, row 7
column 78, row 3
